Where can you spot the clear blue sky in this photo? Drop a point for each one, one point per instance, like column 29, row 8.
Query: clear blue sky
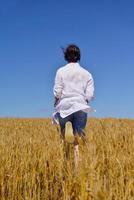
column 31, row 34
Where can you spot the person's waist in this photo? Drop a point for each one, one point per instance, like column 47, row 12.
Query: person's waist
column 73, row 97
column 71, row 102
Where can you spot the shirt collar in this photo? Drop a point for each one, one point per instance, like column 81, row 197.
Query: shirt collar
column 73, row 64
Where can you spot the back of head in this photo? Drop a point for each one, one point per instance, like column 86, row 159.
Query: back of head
column 72, row 53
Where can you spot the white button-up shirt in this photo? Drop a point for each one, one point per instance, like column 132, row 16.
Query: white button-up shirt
column 74, row 87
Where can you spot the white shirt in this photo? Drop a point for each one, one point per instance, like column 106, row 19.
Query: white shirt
column 74, row 86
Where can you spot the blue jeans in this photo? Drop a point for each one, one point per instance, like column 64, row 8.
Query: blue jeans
column 78, row 120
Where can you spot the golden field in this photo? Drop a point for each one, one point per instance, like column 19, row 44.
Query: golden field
column 33, row 164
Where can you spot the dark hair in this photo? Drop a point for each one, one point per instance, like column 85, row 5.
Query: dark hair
column 72, row 53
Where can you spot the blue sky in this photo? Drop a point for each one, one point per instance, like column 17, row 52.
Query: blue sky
column 32, row 33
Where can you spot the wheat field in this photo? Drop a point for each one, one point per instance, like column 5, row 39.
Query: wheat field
column 34, row 166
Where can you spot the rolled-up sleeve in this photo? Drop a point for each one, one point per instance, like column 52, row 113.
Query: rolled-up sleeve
column 89, row 92
column 58, row 86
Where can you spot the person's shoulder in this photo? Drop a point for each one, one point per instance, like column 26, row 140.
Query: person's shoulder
column 85, row 71
column 60, row 69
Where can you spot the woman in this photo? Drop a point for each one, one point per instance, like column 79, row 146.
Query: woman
column 73, row 90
